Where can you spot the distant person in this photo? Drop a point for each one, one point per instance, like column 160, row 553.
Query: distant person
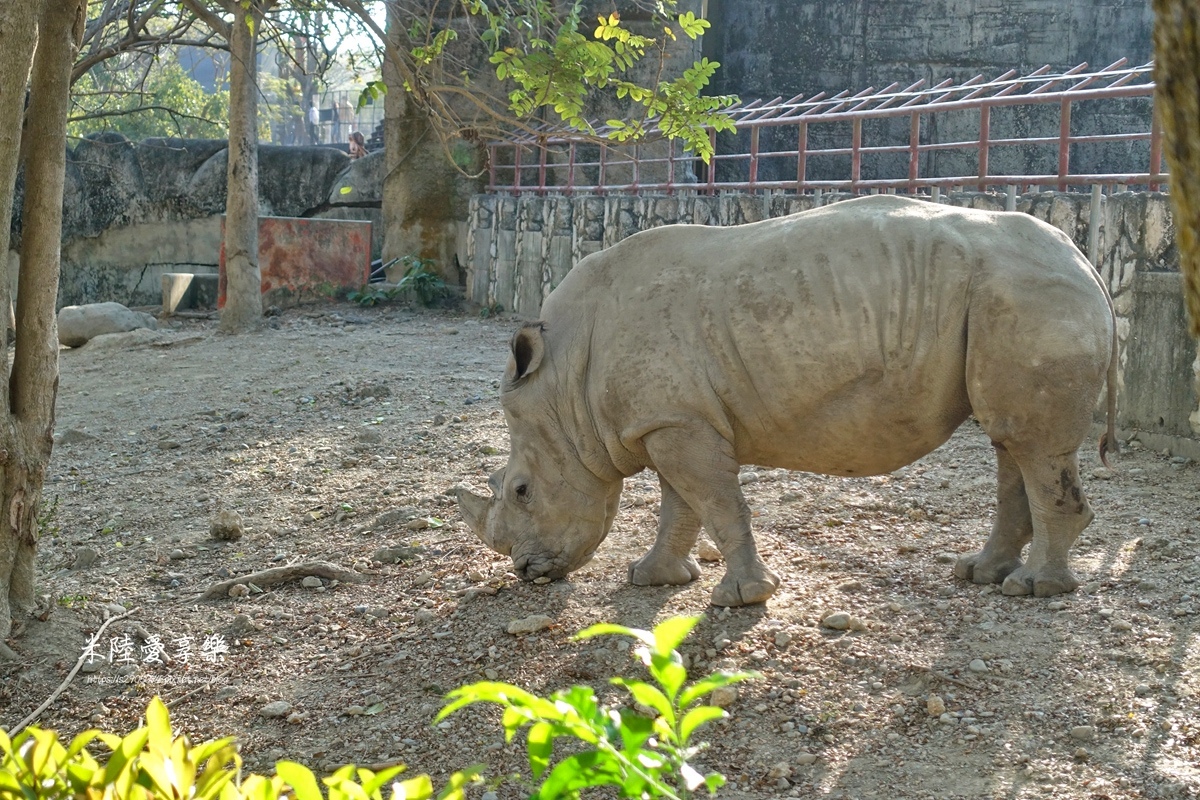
column 358, row 145
column 314, row 123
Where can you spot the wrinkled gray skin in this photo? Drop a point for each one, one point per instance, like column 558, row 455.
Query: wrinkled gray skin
column 848, row 340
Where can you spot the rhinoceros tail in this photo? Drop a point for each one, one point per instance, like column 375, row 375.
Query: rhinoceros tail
column 1108, row 440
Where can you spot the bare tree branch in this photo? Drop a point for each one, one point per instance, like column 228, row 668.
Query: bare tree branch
column 212, row 20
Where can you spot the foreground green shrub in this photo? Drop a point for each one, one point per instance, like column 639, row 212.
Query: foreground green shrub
column 644, row 753
column 153, row 764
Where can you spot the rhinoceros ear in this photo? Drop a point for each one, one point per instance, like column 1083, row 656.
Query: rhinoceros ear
column 528, row 346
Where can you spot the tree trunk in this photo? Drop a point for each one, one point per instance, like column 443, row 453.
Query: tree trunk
column 27, row 409
column 424, row 195
column 243, row 294
column 1177, row 76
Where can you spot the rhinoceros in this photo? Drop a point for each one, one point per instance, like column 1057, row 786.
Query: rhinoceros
column 847, row 340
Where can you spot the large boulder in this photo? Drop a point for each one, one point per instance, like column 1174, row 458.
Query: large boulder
column 79, row 324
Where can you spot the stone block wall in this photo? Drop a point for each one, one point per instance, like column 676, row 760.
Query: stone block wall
column 135, row 210
column 519, row 248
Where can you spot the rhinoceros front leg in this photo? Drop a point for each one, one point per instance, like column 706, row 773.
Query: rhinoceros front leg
column 701, row 467
column 1012, row 530
column 669, row 562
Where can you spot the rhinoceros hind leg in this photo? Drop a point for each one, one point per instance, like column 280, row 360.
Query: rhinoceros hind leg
column 669, row 562
column 700, row 466
column 1012, row 530
column 1060, row 513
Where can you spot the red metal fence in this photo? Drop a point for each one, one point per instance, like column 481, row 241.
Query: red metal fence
column 775, row 137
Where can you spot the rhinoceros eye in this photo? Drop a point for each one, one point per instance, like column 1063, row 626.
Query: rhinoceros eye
column 522, row 490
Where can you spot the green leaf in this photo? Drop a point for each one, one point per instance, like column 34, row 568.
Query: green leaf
column 705, row 686
column 695, row 718
column 458, row 781
column 158, row 722
column 647, row 695
column 583, row 770
column 375, row 781
column 76, row 747
column 607, row 628
column 418, row 788
column 301, row 779
column 130, row 746
column 670, row 633
column 540, row 746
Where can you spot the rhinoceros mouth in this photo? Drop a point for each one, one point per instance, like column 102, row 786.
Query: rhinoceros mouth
column 547, row 565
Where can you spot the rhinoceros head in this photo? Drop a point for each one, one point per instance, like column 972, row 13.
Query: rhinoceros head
column 548, row 510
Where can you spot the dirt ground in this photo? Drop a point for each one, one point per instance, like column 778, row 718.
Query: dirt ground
column 338, row 432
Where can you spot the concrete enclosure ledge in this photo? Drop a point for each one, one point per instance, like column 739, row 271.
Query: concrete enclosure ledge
column 184, row 290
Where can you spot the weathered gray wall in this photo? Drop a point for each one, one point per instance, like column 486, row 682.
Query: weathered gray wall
column 134, row 210
column 519, row 249
column 783, row 48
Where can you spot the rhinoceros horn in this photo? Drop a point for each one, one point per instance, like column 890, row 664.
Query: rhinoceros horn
column 474, row 510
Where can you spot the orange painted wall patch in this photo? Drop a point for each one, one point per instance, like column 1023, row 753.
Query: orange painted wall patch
column 307, row 259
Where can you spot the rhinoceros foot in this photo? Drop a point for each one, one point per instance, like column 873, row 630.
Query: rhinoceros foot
column 654, row 569
column 1045, row 582
column 744, row 591
column 983, row 567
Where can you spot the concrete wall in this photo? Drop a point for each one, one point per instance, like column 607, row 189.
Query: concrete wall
column 134, row 210
column 519, row 249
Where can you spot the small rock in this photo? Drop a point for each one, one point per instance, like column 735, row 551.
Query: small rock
column 311, row 582
column 541, row 580
column 297, row 717
column 851, row 586
column 532, row 624
column 238, row 590
column 226, row 692
column 418, row 524
column 390, row 555
column 723, row 696
column 977, row 665
column 1057, row 605
column 1122, row 625
column 177, row 554
column 74, row 436
column 1102, row 473
column 276, row 710
column 806, row 759
column 837, row 621
column 707, row 551
column 85, row 557
column 227, row 526
column 780, row 770
column 748, row 477
column 935, row 705
column 439, row 419
column 424, row 616
column 1142, row 689
column 946, row 558
column 782, row 640
column 1083, row 733
column 1082, row 754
